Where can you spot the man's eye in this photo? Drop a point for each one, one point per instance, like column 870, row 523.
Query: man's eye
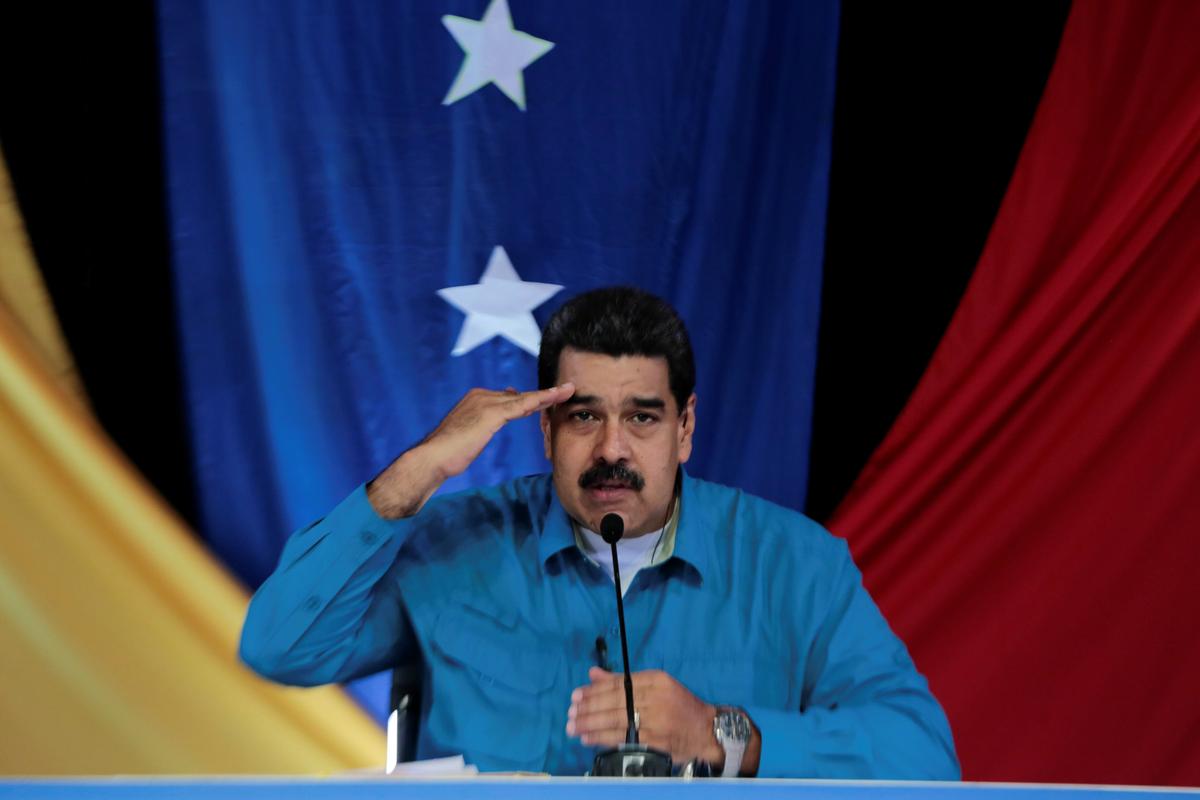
column 643, row 418
column 582, row 416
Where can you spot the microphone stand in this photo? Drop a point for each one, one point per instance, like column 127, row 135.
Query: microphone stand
column 632, row 759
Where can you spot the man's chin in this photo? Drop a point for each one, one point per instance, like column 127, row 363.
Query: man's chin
column 595, row 503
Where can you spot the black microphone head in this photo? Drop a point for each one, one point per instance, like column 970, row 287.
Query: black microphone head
column 612, row 528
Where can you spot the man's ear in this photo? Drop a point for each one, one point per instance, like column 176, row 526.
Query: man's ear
column 544, row 419
column 687, row 427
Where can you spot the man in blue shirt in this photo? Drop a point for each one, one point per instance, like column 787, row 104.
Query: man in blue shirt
column 754, row 644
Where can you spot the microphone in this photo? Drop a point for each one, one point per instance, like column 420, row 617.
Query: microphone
column 612, row 528
column 631, row 759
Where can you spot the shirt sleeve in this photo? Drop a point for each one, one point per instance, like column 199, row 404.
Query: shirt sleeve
column 866, row 711
column 326, row 614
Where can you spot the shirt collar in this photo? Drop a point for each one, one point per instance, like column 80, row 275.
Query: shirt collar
column 693, row 539
column 557, row 533
column 686, row 538
column 665, row 536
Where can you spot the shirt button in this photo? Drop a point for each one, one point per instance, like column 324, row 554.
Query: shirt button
column 311, row 603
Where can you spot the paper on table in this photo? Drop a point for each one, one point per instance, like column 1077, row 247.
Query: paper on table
column 451, row 765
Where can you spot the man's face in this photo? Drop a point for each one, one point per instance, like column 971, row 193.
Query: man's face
column 617, row 443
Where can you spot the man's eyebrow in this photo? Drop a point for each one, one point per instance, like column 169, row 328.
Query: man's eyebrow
column 581, row 400
column 593, row 400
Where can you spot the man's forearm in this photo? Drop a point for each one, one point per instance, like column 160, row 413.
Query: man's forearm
column 405, row 486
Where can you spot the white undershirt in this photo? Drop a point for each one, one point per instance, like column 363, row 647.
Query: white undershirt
column 634, row 553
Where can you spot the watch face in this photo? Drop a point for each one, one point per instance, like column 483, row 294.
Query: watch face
column 732, row 725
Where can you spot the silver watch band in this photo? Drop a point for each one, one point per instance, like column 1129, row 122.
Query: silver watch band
column 733, row 759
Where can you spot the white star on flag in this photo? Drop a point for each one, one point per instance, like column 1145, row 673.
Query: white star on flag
column 495, row 52
column 501, row 304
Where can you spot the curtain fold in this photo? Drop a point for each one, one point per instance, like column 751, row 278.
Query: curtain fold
column 1030, row 524
column 22, row 290
column 118, row 631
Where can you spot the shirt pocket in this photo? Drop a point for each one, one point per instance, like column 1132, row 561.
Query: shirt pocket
column 493, row 690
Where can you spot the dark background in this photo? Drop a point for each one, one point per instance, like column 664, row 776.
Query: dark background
column 932, row 107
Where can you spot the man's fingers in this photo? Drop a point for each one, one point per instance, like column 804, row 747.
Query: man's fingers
column 607, row 690
column 591, row 699
column 610, row 737
column 600, row 706
column 610, row 727
column 524, row 404
column 555, row 394
column 595, row 723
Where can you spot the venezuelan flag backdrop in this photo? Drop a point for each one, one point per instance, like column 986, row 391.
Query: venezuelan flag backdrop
column 374, row 212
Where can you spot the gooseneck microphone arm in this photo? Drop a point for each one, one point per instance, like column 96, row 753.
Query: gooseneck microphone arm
column 631, row 759
column 606, row 528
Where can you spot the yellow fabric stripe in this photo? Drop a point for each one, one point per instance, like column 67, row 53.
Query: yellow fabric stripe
column 22, row 289
column 118, row 631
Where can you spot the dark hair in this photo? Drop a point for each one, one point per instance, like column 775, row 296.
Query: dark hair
column 620, row 321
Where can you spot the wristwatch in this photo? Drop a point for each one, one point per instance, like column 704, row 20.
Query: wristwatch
column 731, row 726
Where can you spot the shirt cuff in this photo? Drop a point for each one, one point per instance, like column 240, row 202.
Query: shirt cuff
column 779, row 754
column 356, row 513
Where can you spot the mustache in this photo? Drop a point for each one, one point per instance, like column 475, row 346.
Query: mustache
column 612, row 473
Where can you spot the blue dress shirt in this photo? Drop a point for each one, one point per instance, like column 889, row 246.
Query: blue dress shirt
column 757, row 606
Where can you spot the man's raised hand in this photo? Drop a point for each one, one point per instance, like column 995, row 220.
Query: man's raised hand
column 402, row 488
column 479, row 416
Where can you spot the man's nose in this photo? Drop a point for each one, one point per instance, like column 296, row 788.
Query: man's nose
column 612, row 445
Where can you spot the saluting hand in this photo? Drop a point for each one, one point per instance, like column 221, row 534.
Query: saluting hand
column 402, row 488
column 479, row 416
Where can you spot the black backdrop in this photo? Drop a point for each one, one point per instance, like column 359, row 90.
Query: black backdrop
column 932, row 106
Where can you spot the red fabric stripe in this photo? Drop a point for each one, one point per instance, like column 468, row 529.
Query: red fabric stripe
column 1031, row 524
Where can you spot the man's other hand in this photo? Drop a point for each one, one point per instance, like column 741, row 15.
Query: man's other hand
column 672, row 719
